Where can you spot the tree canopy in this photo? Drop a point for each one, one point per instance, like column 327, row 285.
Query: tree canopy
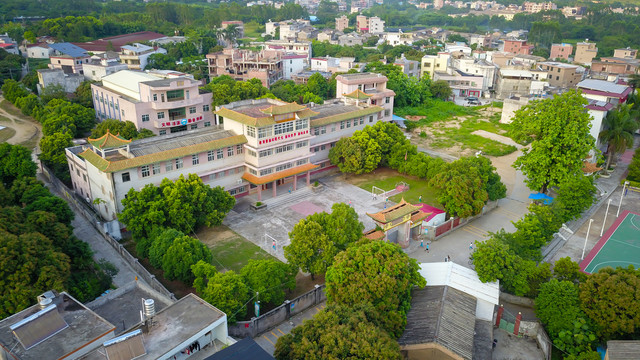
column 461, row 189
column 270, row 278
column 15, row 163
column 126, row 129
column 226, row 291
column 183, row 253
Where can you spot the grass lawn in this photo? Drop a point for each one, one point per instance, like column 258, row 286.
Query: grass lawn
column 463, row 135
column 253, row 30
column 11, row 109
column 387, row 179
column 230, row 250
column 6, row 134
column 435, row 110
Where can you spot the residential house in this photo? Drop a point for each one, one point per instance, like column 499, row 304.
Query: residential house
column 433, row 63
column 610, row 68
column 480, row 40
column 622, row 349
column 458, row 48
column 136, row 56
column 518, row 47
column 487, row 70
column 101, row 66
column 376, row 25
column 271, row 27
column 293, row 64
column 574, row 11
column 526, row 61
column 399, row 38
column 562, row 75
column 410, row 68
column 585, row 52
column 598, row 110
column 68, row 57
column 342, row 23
column 606, row 91
column 39, row 51
column 461, row 83
column 49, row 77
column 500, row 58
column 288, row 47
column 334, row 65
column 8, row 44
column 114, row 43
column 375, row 88
column 532, row 7
column 626, row 53
column 302, row 77
column 362, row 24
column 297, row 30
column 561, row 51
column 161, row 103
column 242, row 65
column 351, row 39
column 520, row 82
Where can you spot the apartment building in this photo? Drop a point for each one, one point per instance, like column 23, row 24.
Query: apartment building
column 288, row 47
column 461, row 83
column 297, row 30
column 399, row 38
column 518, row 47
column 476, row 67
column 68, row 57
column 609, row 68
column 243, row 65
column 562, row 75
column 410, row 68
column 162, row 103
column 561, row 51
column 362, row 23
column 480, row 40
column 600, row 90
column 136, row 56
column 532, row 7
column 342, row 23
column 520, row 82
column 96, row 69
column 293, row 64
column 585, row 52
column 376, row 25
column 373, row 91
column 626, row 53
column 433, row 63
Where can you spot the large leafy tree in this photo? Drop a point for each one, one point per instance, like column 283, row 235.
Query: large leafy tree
column 311, row 249
column 52, row 153
column 378, row 273
column 184, row 252
column 357, row 154
column 610, row 299
column 29, row 265
column 461, row 189
column 54, row 205
column 15, row 163
column 494, row 260
column 83, row 95
column 161, row 239
column 490, row 178
column 575, row 195
column 558, row 305
column 339, row 332
column 619, row 127
column 226, row 291
column 559, row 128
column 318, row 85
column 342, row 225
column 143, row 210
column 533, row 231
column 270, row 278
column 126, row 129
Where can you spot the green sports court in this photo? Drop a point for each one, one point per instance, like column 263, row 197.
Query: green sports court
column 619, row 247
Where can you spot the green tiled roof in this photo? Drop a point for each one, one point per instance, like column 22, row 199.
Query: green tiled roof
column 344, row 116
column 108, row 140
column 119, row 165
column 358, row 95
column 283, row 109
column 245, row 119
column 395, row 212
column 305, row 113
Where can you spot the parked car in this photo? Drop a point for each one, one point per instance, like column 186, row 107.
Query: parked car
column 473, row 101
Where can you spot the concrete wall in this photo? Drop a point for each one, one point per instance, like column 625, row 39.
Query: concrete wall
column 276, row 316
column 510, row 106
column 534, row 329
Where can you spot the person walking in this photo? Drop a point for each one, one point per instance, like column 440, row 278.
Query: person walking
column 427, row 249
column 470, row 246
column 420, row 199
column 448, row 257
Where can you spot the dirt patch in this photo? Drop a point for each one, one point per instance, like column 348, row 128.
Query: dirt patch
column 27, row 131
column 379, row 173
column 414, row 117
column 216, row 234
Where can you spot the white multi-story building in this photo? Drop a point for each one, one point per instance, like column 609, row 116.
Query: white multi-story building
column 256, row 146
column 96, row 69
column 288, row 47
column 293, row 64
column 137, row 55
column 162, row 103
column 376, row 25
column 476, row 67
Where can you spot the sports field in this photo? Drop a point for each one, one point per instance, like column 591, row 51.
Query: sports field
column 619, row 247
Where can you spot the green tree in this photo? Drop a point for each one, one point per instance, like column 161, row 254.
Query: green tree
column 566, row 269
column 609, row 298
column 13, row 90
column 490, row 178
column 63, row 124
column 575, row 195
column 533, row 231
column 227, row 292
column 357, row 154
column 619, row 127
column 269, row 278
column 318, row 85
column 310, row 248
column 441, row 90
column 143, row 210
column 460, row 189
column 83, row 95
column 577, row 339
column 54, row 205
column 161, row 61
column 560, row 127
column 339, row 332
column 378, row 273
column 29, row 104
column 202, row 272
column 342, row 226
column 15, row 163
column 558, row 305
column 184, row 252
column 52, row 153
column 493, row 260
column 29, row 266
column 126, row 129
column 161, row 239
column 51, row 92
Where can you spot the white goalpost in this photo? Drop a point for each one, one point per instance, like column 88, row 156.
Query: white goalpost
column 377, row 192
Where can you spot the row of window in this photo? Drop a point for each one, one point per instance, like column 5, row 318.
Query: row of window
column 279, row 149
column 160, row 115
column 321, row 147
column 279, row 168
column 278, row 129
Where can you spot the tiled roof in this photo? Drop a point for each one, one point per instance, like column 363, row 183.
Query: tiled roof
column 305, row 113
column 108, row 140
column 119, row 165
column 418, row 217
column 358, row 95
column 283, row 109
column 245, row 119
column 344, row 116
column 374, row 234
column 394, row 212
column 259, row 180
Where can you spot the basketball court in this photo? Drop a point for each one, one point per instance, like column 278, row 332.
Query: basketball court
column 619, row 247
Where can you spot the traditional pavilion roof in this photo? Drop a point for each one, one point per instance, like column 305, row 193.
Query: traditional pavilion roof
column 374, row 234
column 260, row 180
column 417, row 218
column 283, row 109
column 395, row 212
column 358, row 95
column 319, row 121
column 123, row 163
column 108, row 140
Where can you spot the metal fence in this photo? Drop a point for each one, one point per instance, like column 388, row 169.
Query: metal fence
column 82, row 208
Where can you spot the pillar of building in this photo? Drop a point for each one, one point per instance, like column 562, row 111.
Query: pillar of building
column 516, row 326
column 259, row 192
column 499, row 316
column 308, row 178
column 295, row 182
column 274, row 187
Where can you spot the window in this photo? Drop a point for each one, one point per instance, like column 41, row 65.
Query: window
column 230, row 151
column 219, row 154
column 341, row 124
column 283, row 128
column 194, row 126
column 144, row 170
column 370, row 118
column 323, row 147
column 179, row 163
column 163, row 132
column 155, row 97
column 187, row 93
column 333, row 127
column 251, row 131
column 316, row 130
column 207, row 123
column 387, row 100
column 264, row 132
column 145, row 117
column 301, row 144
column 302, row 124
column 176, row 114
column 284, row 167
column 285, row 148
column 266, row 171
column 361, row 120
column 253, row 172
column 323, row 130
column 162, row 97
column 168, row 166
column 267, row 152
column 205, row 107
column 126, row 177
column 192, row 110
column 301, row 162
column 122, row 112
column 195, row 160
column 236, row 190
column 156, row 169
column 348, row 124
column 252, row 153
column 239, row 149
column 175, row 95
column 386, row 113
column 161, row 115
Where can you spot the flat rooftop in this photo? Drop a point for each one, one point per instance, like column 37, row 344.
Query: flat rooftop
column 157, row 144
column 253, row 108
column 327, row 110
column 84, row 327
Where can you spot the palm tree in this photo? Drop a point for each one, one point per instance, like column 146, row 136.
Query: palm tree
column 230, row 34
column 634, row 81
column 619, row 129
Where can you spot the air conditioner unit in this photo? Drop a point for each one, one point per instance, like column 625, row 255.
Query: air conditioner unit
column 239, row 181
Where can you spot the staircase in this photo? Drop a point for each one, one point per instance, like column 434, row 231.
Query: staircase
column 287, row 198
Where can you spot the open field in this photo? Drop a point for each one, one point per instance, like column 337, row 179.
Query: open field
column 253, row 29
column 6, row 134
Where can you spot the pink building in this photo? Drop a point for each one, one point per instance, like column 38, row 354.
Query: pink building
column 373, row 91
column 519, row 47
column 164, row 104
column 561, row 51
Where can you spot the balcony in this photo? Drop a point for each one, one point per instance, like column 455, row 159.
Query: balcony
column 166, row 105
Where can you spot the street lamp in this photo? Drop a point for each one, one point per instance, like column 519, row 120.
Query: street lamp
column 621, row 196
column 585, row 239
column 605, row 217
